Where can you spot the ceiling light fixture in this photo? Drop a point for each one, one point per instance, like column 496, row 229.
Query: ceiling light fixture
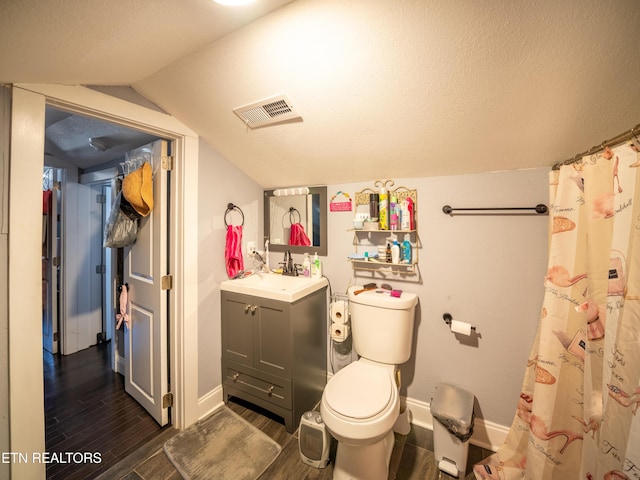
column 233, row 3
column 99, row 145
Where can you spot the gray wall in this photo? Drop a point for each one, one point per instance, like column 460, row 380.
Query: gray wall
column 220, row 183
column 484, row 270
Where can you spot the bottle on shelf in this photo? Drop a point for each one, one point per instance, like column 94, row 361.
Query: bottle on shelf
column 395, row 253
column 406, row 250
column 383, row 211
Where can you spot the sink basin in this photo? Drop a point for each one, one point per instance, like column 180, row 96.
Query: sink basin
column 275, row 286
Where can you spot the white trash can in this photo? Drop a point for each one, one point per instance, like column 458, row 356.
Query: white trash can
column 452, row 410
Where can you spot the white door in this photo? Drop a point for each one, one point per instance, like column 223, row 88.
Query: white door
column 145, row 263
column 50, row 318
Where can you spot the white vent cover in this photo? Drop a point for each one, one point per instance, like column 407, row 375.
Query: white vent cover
column 267, row 112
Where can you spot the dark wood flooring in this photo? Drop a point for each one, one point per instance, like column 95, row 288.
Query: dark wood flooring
column 412, row 457
column 87, row 411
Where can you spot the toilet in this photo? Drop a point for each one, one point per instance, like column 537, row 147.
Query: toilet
column 361, row 403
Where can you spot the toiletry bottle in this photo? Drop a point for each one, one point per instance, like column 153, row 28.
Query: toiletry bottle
column 383, row 211
column 412, row 213
column 388, row 253
column 374, row 205
column 306, row 266
column 406, row 251
column 316, row 267
column 405, row 218
column 395, row 253
column 393, row 211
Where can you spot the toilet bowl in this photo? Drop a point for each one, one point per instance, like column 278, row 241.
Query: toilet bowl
column 362, row 395
column 361, row 403
column 359, row 407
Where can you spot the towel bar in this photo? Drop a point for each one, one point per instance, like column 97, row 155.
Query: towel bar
column 538, row 209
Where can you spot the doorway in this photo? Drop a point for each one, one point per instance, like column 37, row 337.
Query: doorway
column 84, row 379
column 26, row 428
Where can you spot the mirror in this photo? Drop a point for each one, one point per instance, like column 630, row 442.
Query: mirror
column 297, row 223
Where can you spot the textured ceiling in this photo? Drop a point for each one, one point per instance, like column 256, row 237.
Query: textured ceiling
column 385, row 89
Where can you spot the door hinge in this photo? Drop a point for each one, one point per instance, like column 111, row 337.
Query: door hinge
column 101, row 269
column 101, row 199
column 55, row 261
column 167, row 162
column 167, row 282
column 55, row 336
column 57, row 185
column 167, row 400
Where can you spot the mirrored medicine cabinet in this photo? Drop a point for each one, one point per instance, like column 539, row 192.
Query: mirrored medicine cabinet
column 303, row 213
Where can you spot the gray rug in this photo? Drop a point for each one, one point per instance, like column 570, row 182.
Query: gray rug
column 221, row 446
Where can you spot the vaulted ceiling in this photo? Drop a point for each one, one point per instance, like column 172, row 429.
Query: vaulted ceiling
column 385, row 89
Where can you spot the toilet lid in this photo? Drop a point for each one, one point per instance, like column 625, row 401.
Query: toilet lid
column 359, row 390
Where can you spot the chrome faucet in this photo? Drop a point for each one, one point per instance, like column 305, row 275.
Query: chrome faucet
column 288, row 267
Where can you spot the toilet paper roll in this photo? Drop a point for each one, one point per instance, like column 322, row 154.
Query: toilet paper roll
column 339, row 332
column 338, row 311
column 460, row 327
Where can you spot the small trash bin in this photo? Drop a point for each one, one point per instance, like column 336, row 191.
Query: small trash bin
column 452, row 410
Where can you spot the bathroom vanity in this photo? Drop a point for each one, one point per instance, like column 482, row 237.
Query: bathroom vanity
column 274, row 343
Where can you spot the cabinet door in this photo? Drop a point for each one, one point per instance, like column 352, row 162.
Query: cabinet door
column 272, row 340
column 237, row 330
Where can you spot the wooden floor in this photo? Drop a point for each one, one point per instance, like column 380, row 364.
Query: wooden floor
column 412, row 457
column 91, row 423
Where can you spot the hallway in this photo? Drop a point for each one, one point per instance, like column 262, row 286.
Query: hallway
column 90, row 421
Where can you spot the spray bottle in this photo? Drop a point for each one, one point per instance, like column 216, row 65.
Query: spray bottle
column 383, row 211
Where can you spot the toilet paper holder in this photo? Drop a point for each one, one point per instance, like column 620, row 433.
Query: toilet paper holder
column 448, row 319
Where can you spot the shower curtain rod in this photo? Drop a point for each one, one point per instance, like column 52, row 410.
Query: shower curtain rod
column 633, row 132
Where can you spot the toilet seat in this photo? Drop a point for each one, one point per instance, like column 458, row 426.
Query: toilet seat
column 360, row 391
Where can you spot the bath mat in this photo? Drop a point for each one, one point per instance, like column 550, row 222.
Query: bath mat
column 221, row 446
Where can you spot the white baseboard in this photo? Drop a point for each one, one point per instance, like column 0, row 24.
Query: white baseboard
column 486, row 434
column 210, row 402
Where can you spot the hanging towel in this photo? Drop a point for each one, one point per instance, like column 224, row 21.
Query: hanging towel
column 233, row 250
column 123, row 315
column 298, row 235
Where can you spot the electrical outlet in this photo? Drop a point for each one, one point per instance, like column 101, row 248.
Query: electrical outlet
column 251, row 248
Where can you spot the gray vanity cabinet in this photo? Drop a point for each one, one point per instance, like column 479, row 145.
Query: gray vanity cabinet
column 274, row 353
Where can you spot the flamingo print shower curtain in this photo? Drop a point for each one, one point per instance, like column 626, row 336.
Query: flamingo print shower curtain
column 577, row 414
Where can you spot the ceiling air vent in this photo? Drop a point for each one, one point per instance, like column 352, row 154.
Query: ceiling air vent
column 267, row 112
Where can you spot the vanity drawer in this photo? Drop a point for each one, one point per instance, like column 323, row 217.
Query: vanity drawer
column 267, row 387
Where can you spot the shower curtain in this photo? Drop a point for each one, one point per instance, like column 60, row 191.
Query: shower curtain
column 577, row 414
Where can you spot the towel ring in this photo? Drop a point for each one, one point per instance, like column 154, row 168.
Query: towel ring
column 292, row 212
column 231, row 207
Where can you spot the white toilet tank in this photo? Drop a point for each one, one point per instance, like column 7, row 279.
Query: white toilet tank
column 382, row 325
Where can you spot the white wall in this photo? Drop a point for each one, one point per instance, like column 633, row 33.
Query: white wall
column 485, row 270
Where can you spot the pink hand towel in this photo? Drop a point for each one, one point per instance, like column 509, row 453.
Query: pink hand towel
column 298, row 235
column 233, row 250
column 123, row 315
